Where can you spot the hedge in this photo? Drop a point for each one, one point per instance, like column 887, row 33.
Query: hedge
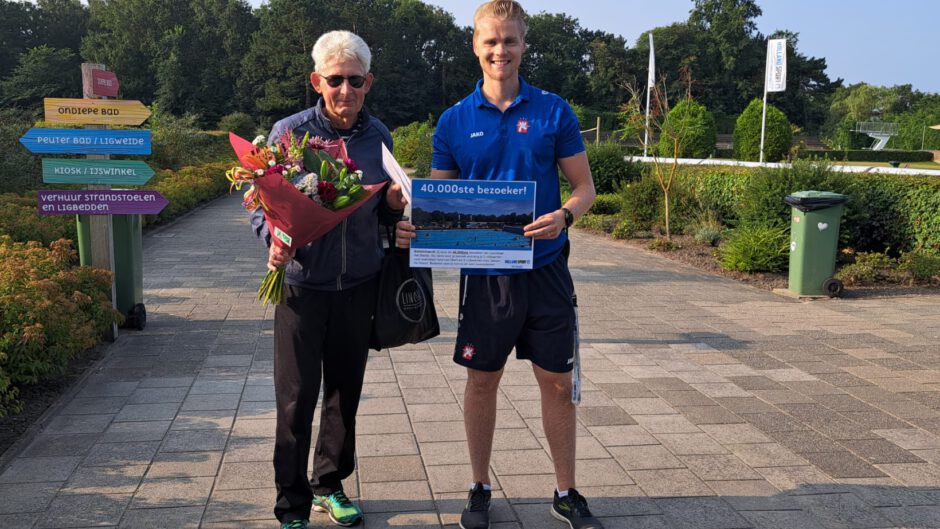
column 747, row 133
column 609, row 168
column 860, row 155
column 49, row 312
column 693, row 126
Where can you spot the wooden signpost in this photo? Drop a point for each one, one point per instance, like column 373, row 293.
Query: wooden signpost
column 95, row 205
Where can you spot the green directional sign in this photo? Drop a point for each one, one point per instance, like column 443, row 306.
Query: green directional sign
column 112, row 172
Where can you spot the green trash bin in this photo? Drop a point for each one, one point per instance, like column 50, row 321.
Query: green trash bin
column 814, row 241
column 128, row 270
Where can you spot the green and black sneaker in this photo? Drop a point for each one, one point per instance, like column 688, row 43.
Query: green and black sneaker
column 573, row 509
column 295, row 524
column 337, row 505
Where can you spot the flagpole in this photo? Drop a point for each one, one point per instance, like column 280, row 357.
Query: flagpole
column 650, row 82
column 763, row 122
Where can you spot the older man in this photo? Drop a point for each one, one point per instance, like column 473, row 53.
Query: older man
column 322, row 327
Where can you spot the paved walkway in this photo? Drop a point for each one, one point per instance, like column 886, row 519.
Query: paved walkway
column 707, row 404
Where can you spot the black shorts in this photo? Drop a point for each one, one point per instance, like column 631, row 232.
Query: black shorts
column 532, row 311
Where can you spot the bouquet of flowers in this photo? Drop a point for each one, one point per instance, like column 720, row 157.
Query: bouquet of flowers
column 300, row 205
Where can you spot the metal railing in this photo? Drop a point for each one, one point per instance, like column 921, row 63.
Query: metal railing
column 876, row 127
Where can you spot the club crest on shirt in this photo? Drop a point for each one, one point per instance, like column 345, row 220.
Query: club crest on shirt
column 522, row 126
column 468, row 351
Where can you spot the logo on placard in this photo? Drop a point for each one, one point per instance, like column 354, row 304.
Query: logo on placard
column 522, row 126
column 468, row 351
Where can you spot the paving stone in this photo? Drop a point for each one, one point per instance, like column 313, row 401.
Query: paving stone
column 700, row 415
column 84, row 510
column 386, row 445
column 44, row 445
column 626, row 390
column 666, row 424
column 879, row 451
column 805, row 441
column 203, row 420
column 446, row 453
column 650, row 457
column 645, row 406
column 172, row 492
column 147, row 412
column 718, row 467
column 105, row 480
column 685, row 398
column 195, row 441
column 514, row 439
column 27, row 498
column 781, row 519
column 245, row 475
column 841, row 511
column 407, row 520
column 734, row 433
column 600, row 473
column 391, row 468
column 910, row 438
column 701, row 513
column 94, row 406
column 187, row 464
column 604, row 416
column 39, row 469
column 451, row 478
column 623, row 435
column 670, row 483
column 254, row 428
column 752, row 495
column 404, row 496
column 78, row 424
column 765, row 455
column 215, row 401
column 690, row 444
column 842, row 465
column 175, row 517
column 118, row 454
column 242, row 505
column 381, row 424
column 128, row 432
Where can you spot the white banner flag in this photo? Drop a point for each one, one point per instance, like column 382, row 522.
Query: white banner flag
column 651, row 78
column 776, row 74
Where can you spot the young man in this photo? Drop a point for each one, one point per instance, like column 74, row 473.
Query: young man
column 509, row 130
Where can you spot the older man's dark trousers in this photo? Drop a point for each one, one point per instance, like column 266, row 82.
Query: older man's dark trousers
column 318, row 334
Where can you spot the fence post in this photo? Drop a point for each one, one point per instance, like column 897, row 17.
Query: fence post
column 597, row 137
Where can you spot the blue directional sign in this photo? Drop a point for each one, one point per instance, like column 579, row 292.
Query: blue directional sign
column 87, row 141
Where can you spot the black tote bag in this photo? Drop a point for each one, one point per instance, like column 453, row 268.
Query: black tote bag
column 404, row 309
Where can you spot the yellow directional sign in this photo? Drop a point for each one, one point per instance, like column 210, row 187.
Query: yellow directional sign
column 95, row 111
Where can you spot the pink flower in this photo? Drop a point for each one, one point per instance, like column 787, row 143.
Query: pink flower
column 335, row 148
column 351, row 165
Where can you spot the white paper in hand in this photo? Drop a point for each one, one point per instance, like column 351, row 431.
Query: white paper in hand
column 397, row 174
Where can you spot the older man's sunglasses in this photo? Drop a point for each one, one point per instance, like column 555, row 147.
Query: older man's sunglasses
column 356, row 81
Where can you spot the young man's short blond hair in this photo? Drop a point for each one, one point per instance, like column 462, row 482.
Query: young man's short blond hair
column 502, row 10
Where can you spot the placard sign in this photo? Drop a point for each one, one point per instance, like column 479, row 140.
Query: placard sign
column 80, row 141
column 99, row 202
column 104, row 83
column 95, row 111
column 109, row 172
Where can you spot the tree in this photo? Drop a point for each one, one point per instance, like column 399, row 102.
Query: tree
column 556, row 56
column 747, row 133
column 809, row 90
column 688, row 131
column 609, row 71
column 62, row 23
column 18, row 32
column 42, row 72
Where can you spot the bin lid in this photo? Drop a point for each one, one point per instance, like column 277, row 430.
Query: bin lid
column 815, row 200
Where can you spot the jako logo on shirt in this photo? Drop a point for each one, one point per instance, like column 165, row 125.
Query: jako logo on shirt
column 478, row 134
column 522, row 126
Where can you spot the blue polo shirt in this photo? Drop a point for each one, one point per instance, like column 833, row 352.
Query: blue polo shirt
column 523, row 143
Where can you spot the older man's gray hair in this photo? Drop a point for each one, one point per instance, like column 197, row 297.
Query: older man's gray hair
column 341, row 46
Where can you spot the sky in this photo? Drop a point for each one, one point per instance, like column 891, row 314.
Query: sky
column 877, row 42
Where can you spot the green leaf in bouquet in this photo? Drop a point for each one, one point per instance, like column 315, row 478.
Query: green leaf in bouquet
column 310, row 159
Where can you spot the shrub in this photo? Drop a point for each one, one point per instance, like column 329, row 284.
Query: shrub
column 19, row 169
column 641, row 202
column 49, row 312
column 599, row 223
column 761, row 201
column 239, row 123
column 187, row 188
column 693, row 126
column 625, row 229
column 922, row 266
column 755, row 248
column 869, row 267
column 178, row 142
column 609, row 168
column 606, row 204
column 747, row 132
column 414, row 147
column 20, row 221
